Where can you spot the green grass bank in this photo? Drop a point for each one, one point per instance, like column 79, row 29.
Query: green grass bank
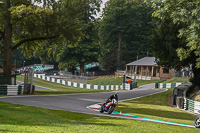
column 58, row 88
column 19, row 118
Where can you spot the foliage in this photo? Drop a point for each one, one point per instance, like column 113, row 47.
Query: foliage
column 165, row 41
column 126, row 28
column 108, row 59
column 185, row 14
column 27, row 24
column 84, row 49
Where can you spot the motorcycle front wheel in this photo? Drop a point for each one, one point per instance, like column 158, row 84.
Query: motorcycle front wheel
column 197, row 122
column 111, row 109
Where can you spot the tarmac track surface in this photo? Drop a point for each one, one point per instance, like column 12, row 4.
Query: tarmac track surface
column 79, row 102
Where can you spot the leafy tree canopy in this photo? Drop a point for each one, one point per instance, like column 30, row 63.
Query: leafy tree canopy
column 26, row 24
column 85, row 47
column 187, row 12
column 181, row 17
column 126, row 26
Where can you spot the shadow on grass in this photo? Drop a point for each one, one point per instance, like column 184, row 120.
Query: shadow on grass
column 156, row 112
column 160, row 99
column 14, row 114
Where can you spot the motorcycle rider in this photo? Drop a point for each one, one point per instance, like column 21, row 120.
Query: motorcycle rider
column 115, row 96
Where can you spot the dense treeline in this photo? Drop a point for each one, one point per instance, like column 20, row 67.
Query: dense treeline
column 125, row 33
column 122, row 35
column 66, row 32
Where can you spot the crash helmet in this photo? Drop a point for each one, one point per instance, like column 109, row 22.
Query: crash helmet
column 116, row 94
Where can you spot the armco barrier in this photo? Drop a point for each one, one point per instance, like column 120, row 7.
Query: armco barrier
column 167, row 85
column 10, row 89
column 13, row 90
column 192, row 106
column 124, row 86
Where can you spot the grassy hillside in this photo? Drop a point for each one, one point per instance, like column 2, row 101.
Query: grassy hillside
column 156, row 107
column 177, row 80
column 58, row 88
column 18, row 118
column 111, row 80
column 63, row 89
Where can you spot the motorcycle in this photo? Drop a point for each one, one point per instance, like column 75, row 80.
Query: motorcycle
column 197, row 122
column 109, row 107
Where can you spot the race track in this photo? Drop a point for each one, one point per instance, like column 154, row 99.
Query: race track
column 79, row 102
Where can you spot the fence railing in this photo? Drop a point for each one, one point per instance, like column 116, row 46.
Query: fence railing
column 183, row 74
column 192, row 106
column 124, row 86
column 14, row 90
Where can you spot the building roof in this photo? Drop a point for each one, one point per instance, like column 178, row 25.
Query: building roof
column 146, row 61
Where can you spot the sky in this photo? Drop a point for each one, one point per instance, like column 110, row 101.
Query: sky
column 102, row 6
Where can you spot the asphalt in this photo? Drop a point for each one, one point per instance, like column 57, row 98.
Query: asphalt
column 36, row 87
column 78, row 102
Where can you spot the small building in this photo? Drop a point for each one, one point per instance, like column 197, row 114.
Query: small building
column 147, row 69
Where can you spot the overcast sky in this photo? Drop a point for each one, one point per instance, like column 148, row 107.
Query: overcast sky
column 102, row 6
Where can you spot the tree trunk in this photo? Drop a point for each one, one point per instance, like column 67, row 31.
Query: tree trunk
column 82, row 67
column 73, row 70
column 196, row 79
column 7, row 66
column 119, row 50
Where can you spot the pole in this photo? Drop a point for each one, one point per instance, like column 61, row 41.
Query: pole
column 135, row 76
column 32, row 79
column 15, row 63
column 24, row 63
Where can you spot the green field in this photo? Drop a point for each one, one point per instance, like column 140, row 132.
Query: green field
column 177, row 80
column 63, row 89
column 18, row 118
column 111, row 80
column 156, row 107
column 58, row 88
column 106, row 80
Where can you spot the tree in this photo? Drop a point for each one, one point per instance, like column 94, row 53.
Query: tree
column 126, row 27
column 187, row 13
column 115, row 24
column 27, row 25
column 165, row 41
column 108, row 60
column 85, row 49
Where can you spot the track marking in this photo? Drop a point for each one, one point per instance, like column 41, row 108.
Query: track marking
column 96, row 107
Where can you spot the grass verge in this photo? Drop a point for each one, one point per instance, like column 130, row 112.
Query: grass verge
column 111, row 80
column 58, row 88
column 156, row 107
column 19, row 118
column 63, row 89
column 177, row 80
